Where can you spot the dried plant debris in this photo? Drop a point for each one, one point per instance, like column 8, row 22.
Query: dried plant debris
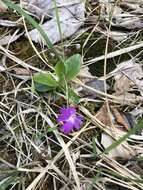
column 85, row 74
column 38, row 131
column 96, row 84
column 128, row 81
column 118, row 35
column 122, row 151
column 127, row 15
column 70, row 17
column 113, row 116
column 89, row 81
column 122, row 15
column 39, row 7
column 116, row 125
column 20, row 73
column 129, row 77
column 4, row 40
column 7, row 23
column 137, row 112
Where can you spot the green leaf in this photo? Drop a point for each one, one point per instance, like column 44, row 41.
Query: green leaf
column 45, row 79
column 140, row 158
column 42, row 88
column 6, row 182
column 73, row 96
column 52, row 129
column 72, row 66
column 94, row 146
column 60, row 70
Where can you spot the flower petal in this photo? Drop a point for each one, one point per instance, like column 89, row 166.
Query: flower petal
column 67, row 128
column 62, row 118
column 77, row 122
column 66, row 113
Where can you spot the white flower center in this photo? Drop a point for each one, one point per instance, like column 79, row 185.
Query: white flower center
column 72, row 118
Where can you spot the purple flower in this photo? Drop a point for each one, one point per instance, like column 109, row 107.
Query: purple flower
column 69, row 119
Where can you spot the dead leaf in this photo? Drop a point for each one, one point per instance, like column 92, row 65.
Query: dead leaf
column 133, row 7
column 95, row 84
column 103, row 116
column 128, row 98
column 85, row 75
column 121, row 124
column 131, row 22
column 115, row 117
column 71, row 17
column 140, row 2
column 38, row 7
column 10, row 38
column 119, row 118
column 128, row 75
column 121, row 151
column 137, row 112
column 20, row 71
column 90, row 81
column 117, row 35
column 124, row 14
column 113, row 134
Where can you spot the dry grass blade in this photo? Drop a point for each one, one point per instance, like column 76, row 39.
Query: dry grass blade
column 114, row 54
column 18, row 61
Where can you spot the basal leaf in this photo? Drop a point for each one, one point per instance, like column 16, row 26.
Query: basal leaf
column 42, row 87
column 60, row 70
column 73, row 96
column 45, row 79
column 72, row 66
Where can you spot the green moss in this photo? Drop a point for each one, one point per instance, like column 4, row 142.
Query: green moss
column 22, row 48
column 9, row 15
